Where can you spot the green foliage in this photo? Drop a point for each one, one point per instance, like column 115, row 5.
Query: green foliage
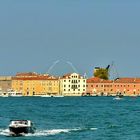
column 102, row 73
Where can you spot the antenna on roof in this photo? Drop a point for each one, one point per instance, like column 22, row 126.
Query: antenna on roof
column 85, row 75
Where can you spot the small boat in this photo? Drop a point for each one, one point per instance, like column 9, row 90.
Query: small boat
column 4, row 94
column 13, row 93
column 20, row 127
column 52, row 96
column 118, row 97
column 59, row 96
column 46, row 96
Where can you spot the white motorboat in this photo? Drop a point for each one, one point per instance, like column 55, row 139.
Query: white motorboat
column 59, row 96
column 118, row 97
column 13, row 93
column 21, row 127
column 52, row 96
column 4, row 94
column 46, row 96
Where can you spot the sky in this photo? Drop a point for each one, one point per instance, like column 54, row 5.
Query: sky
column 69, row 36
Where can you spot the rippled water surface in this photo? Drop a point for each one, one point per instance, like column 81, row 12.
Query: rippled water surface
column 73, row 118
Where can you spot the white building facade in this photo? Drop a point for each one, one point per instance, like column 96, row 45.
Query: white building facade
column 72, row 85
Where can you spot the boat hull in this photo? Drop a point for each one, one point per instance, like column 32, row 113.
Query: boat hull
column 20, row 131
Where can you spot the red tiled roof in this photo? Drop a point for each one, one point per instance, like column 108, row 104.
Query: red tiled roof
column 98, row 80
column 35, row 76
column 27, row 74
column 119, row 80
column 127, row 80
column 66, row 75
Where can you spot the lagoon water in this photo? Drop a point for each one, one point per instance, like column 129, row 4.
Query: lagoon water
column 73, row 118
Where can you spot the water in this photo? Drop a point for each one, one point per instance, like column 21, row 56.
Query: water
column 73, row 118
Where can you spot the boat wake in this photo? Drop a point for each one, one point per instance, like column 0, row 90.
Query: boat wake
column 4, row 132
column 38, row 133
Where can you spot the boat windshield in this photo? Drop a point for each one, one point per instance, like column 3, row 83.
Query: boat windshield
column 20, row 122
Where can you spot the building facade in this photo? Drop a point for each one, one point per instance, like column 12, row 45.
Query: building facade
column 125, row 86
column 72, row 85
column 5, row 83
column 33, row 84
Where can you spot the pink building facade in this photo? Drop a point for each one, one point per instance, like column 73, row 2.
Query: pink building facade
column 125, row 86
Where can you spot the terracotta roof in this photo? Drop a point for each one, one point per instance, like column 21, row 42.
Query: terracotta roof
column 66, row 75
column 119, row 80
column 27, row 74
column 127, row 80
column 34, row 77
column 98, row 80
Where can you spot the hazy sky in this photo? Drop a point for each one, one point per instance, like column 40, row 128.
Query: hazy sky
column 87, row 33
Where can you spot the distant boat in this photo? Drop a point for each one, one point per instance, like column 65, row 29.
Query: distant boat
column 13, row 93
column 4, row 94
column 87, row 95
column 118, row 97
column 45, row 95
column 52, row 96
column 58, row 96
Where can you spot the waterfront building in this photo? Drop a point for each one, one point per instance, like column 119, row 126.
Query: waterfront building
column 5, row 83
column 34, row 84
column 72, row 84
column 125, row 86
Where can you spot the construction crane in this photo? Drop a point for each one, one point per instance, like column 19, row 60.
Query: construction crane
column 112, row 70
